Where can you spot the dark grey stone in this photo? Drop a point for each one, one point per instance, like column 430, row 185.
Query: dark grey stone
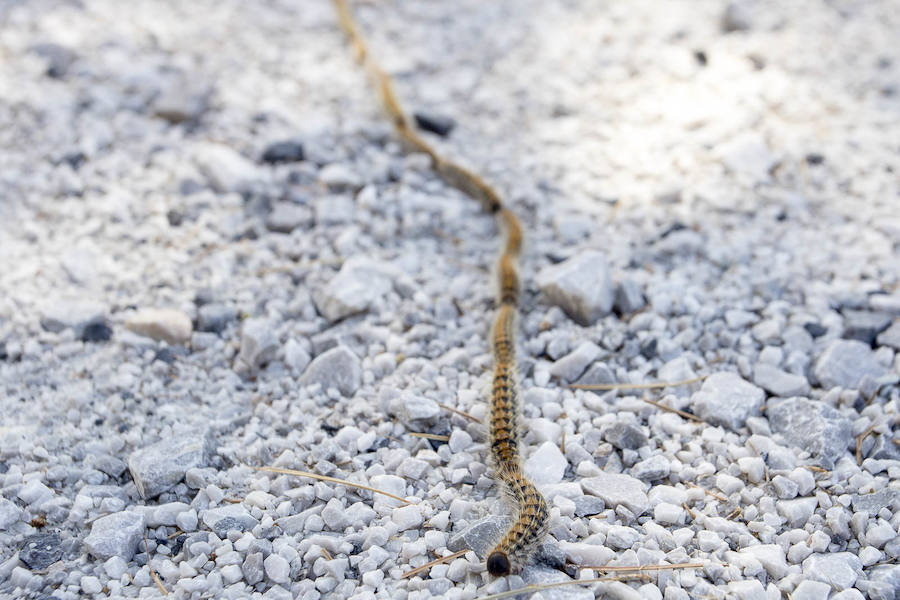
column 864, row 326
column 551, row 555
column 813, row 426
column 96, row 331
column 41, row 550
column 625, row 436
column 597, row 374
column 481, row 535
column 587, row 506
column 815, row 329
column 438, row 124
column 285, row 151
column 628, row 297
column 214, row 318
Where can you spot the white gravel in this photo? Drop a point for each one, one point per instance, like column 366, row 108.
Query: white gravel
column 215, row 257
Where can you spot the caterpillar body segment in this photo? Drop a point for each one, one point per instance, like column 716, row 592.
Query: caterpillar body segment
column 532, row 515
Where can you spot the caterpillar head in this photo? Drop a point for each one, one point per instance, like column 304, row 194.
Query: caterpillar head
column 498, row 564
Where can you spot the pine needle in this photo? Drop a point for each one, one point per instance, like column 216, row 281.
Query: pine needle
column 539, row 587
column 644, row 567
column 636, row 386
column 156, row 579
column 430, row 436
column 329, row 479
column 680, row 413
column 459, row 412
column 438, row 561
column 715, row 495
column 859, row 441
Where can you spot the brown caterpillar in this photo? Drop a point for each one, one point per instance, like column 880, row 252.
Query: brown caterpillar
column 530, row 526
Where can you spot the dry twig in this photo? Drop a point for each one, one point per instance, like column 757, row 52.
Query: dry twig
column 438, row 561
column 329, row 479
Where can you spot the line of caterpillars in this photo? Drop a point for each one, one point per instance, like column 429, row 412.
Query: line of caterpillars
column 514, row 549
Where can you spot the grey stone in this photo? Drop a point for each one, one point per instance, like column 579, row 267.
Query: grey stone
column 778, row 382
column 481, row 535
column 259, row 344
column 117, row 534
column 582, row 286
column 252, row 568
column 225, row 169
column 625, row 436
column 890, row 336
column 737, row 17
column 71, row 314
column 726, row 399
column 360, row 283
column 288, row 216
column 172, row 326
column 411, row 407
column 41, row 550
column 161, row 466
column 838, row 569
column 59, row 58
column 616, row 489
column 864, row 325
column 573, row 364
column 813, row 426
column 295, row 356
column 597, row 374
column 884, row 448
column 337, row 368
column 182, row 99
column 652, row 469
column 874, row 502
column 215, row 317
column 339, row 176
column 539, row 574
column 587, row 506
column 845, row 362
column 551, row 555
column 628, row 297
column 226, row 518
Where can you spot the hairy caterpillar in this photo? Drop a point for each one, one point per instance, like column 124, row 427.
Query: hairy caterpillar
column 513, row 550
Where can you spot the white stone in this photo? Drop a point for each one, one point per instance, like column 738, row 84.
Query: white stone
column 546, row 464
column 669, row 514
column 277, row 568
column 407, row 517
column 750, row 589
column 772, row 558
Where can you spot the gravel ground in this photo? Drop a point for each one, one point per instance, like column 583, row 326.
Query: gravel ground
column 216, row 257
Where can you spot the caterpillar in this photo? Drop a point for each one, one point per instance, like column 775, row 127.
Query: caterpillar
column 530, row 526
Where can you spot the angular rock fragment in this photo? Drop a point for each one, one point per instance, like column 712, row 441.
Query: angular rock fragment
column 161, row 466
column 582, row 286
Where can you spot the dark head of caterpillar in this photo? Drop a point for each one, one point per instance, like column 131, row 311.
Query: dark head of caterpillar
column 498, row 564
